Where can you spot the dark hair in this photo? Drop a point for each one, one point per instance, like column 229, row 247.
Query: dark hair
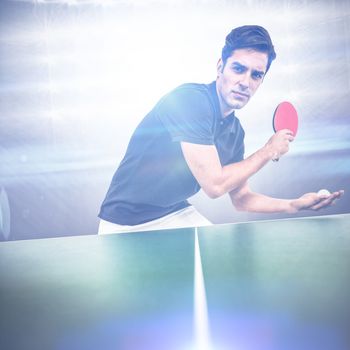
column 249, row 37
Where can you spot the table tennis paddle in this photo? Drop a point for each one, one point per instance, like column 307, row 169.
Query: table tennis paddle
column 285, row 117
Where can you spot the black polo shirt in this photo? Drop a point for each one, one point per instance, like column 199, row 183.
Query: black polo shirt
column 153, row 179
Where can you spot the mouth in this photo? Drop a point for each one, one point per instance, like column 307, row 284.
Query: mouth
column 240, row 94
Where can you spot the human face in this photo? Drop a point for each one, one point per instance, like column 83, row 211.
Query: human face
column 238, row 80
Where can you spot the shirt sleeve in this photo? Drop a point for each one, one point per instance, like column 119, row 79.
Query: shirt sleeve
column 188, row 116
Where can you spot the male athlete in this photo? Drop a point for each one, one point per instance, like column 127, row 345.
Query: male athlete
column 192, row 140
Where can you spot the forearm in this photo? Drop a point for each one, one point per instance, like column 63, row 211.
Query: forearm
column 259, row 203
column 235, row 175
column 215, row 179
column 245, row 200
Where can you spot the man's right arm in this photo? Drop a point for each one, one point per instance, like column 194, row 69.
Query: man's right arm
column 215, row 180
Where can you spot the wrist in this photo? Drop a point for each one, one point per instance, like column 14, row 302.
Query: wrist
column 267, row 153
column 290, row 207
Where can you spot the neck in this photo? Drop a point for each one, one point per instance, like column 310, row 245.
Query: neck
column 225, row 109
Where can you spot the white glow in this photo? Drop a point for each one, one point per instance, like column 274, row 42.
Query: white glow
column 115, row 66
column 290, row 41
column 49, row 60
column 55, row 115
column 53, row 87
column 293, row 96
column 201, row 322
column 290, row 68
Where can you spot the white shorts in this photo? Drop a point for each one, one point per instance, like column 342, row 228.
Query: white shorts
column 187, row 217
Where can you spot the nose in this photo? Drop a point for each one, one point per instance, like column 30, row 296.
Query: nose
column 244, row 81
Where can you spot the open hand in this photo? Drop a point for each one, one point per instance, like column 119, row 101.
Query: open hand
column 314, row 201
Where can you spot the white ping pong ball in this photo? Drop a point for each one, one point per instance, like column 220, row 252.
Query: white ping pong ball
column 323, row 192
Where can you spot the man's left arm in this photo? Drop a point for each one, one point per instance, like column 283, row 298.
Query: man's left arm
column 246, row 200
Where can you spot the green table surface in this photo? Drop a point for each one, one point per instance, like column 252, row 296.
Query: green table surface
column 281, row 284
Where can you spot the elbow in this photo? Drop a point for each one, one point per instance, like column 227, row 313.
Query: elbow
column 239, row 204
column 213, row 191
column 239, row 207
column 215, row 187
column 242, row 204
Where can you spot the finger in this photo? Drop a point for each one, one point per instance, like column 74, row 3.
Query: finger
column 314, row 205
column 323, row 204
column 336, row 195
column 319, row 206
column 330, row 199
column 290, row 137
column 339, row 193
column 319, row 200
column 329, row 196
column 284, row 132
column 324, row 196
column 335, row 199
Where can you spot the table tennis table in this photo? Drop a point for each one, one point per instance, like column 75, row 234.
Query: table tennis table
column 268, row 285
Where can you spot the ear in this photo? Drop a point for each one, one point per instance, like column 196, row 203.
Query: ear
column 219, row 66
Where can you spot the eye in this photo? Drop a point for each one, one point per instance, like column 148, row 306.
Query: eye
column 257, row 75
column 238, row 69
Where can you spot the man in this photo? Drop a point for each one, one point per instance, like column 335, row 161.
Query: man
column 191, row 140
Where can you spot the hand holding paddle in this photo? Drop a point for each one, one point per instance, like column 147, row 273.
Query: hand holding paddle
column 285, row 125
column 278, row 144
